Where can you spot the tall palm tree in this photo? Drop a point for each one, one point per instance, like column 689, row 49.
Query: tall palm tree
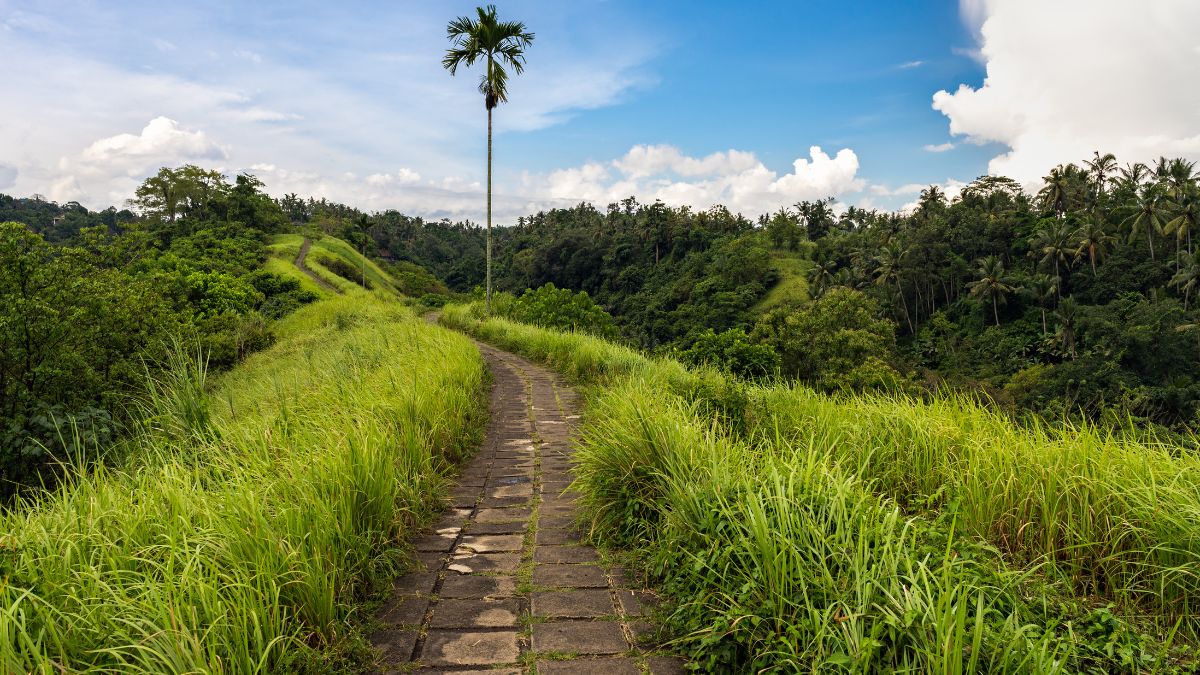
column 1187, row 217
column 991, row 284
column 1065, row 314
column 1041, row 289
column 498, row 44
column 1187, row 278
column 1148, row 212
column 1055, row 241
column 364, row 226
column 1062, row 189
column 1099, row 167
column 890, row 269
column 1093, row 241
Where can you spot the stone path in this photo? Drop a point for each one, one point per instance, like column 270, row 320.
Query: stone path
column 506, row 585
column 301, row 257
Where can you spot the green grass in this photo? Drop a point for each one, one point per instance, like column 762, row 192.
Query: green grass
column 336, row 248
column 800, row 532
column 249, row 522
column 792, row 287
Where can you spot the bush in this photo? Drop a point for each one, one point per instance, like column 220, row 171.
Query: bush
column 560, row 309
column 733, row 352
column 836, row 343
column 345, row 270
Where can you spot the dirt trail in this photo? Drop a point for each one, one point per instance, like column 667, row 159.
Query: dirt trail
column 311, row 274
column 505, row 580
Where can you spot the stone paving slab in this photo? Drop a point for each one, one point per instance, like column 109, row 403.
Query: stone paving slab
column 579, row 637
column 465, row 609
column 573, row 604
column 470, row 648
column 475, row 613
column 478, row 586
column 584, row 666
column 570, row 576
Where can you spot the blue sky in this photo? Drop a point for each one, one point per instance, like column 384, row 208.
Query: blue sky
column 694, row 103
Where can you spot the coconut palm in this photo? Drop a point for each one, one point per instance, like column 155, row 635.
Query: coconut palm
column 1062, row 189
column 1094, row 241
column 1099, row 167
column 1065, row 314
column 1187, row 278
column 1148, row 212
column 889, row 268
column 991, row 284
column 1041, row 289
column 1055, row 241
column 1187, row 217
column 498, row 44
column 364, row 226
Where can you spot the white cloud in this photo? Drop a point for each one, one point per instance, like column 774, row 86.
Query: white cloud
column 940, row 147
column 907, row 65
column 402, row 177
column 160, row 140
column 735, row 179
column 254, row 99
column 952, row 188
column 1069, row 77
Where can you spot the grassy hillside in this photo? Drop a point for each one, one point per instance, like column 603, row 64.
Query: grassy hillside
column 338, row 263
column 865, row 533
column 253, row 512
column 792, row 287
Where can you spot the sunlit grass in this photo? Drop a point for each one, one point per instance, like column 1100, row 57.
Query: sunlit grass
column 239, row 549
column 807, row 532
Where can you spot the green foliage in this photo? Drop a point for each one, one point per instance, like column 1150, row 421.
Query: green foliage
column 71, row 336
column 732, row 351
column 869, row 533
column 836, row 342
column 243, row 530
column 560, row 309
column 414, row 281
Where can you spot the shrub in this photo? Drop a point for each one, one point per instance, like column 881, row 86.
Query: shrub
column 732, row 351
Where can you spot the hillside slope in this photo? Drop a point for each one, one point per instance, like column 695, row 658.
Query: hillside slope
column 254, row 512
column 792, row 287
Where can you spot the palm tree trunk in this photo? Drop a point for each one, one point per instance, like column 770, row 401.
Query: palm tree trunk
column 904, row 304
column 1044, row 328
column 1150, row 238
column 488, row 304
column 995, row 310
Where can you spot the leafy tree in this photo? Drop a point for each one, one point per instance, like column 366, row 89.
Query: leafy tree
column 562, row 309
column 836, row 342
column 733, row 351
column 498, row 44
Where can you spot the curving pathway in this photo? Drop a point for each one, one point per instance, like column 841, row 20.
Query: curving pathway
column 505, row 584
column 311, row 274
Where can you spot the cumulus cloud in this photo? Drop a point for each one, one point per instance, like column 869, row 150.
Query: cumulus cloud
column 1069, row 77
column 402, row 177
column 161, row 140
column 736, row 179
